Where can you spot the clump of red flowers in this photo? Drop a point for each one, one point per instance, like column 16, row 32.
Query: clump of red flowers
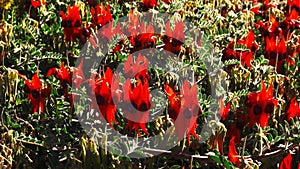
column 175, row 38
column 137, row 69
column 64, row 77
column 37, row 93
column 184, row 110
column 293, row 109
column 136, row 93
column 174, row 102
column 101, row 15
column 71, row 23
column 137, row 99
column 245, row 56
column 105, row 90
column 142, row 35
column 261, row 105
column 276, row 50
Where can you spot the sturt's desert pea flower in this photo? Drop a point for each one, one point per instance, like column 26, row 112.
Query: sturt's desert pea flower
column 37, row 93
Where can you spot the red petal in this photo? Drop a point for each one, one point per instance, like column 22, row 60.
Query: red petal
column 223, row 110
column 293, row 110
column 263, row 93
column 35, row 3
column 51, row 72
column 232, row 153
column 286, row 162
column 281, row 47
column 36, row 82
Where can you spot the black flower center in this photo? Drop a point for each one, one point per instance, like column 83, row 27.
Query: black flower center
column 196, row 111
column 175, row 42
column 165, row 39
column 269, row 108
column 143, row 107
column 187, row 114
column 151, row 44
column 280, row 56
column 64, row 83
column 100, row 100
column 69, row 23
column 77, row 23
column 137, row 44
column 253, row 48
column 86, row 32
column 273, row 55
column 257, row 110
column 35, row 94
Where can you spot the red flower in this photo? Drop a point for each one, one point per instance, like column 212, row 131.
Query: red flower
column 108, row 31
column 174, row 39
column 134, row 26
column 291, row 22
column 224, row 110
column 37, row 3
column 142, row 36
column 138, row 103
column 107, row 96
column 249, row 42
column 293, row 3
column 234, row 129
column 216, row 140
column 144, row 39
column 36, row 93
column 293, row 110
column 78, row 75
column 186, row 122
column 287, row 162
column 276, row 48
column 71, row 23
column 139, row 69
column 270, row 28
column 244, row 56
column 63, row 76
column 174, row 100
column 261, row 105
column 101, row 15
column 150, row 3
column 255, row 10
column 232, row 153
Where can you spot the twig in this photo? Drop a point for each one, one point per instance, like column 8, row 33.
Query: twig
column 29, row 61
column 2, row 121
column 26, row 122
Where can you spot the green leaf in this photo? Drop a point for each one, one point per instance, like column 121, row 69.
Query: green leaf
column 270, row 137
column 275, row 132
column 216, row 159
column 16, row 126
column 175, row 167
column 277, row 138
